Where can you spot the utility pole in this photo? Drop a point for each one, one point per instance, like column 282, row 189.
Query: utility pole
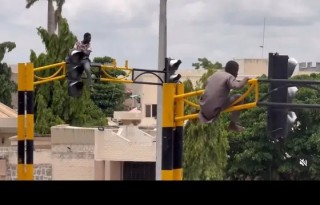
column 162, row 53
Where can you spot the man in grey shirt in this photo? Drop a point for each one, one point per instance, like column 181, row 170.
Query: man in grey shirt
column 216, row 95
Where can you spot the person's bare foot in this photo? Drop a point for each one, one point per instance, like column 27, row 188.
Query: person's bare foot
column 235, row 128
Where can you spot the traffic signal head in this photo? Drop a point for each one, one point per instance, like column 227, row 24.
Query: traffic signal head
column 292, row 66
column 291, row 119
column 281, row 120
column 291, row 116
column 174, row 64
column 292, row 92
column 76, row 56
column 171, row 66
column 74, row 72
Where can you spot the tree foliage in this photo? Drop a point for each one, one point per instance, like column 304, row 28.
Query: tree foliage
column 7, row 85
column 255, row 155
column 109, row 96
column 252, row 151
column 205, row 145
column 52, row 103
column 206, row 64
column 54, row 16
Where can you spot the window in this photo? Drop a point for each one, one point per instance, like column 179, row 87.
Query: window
column 139, row 171
column 151, row 110
column 154, row 110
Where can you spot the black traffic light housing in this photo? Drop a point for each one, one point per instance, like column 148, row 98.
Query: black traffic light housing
column 171, row 66
column 74, row 72
column 281, row 120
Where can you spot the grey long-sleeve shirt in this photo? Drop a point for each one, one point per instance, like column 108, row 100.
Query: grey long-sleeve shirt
column 216, row 95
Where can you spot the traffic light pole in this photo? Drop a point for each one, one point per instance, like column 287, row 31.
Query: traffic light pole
column 178, row 135
column 162, row 53
column 25, row 121
column 168, row 90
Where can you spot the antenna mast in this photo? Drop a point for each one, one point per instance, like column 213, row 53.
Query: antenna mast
column 264, row 27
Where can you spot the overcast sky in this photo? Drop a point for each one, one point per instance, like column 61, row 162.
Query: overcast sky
column 217, row 29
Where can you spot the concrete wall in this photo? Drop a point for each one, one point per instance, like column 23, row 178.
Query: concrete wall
column 70, row 157
column 135, row 146
column 8, row 124
column 3, row 169
column 4, row 138
column 252, row 67
column 42, row 163
column 108, row 170
column 72, row 153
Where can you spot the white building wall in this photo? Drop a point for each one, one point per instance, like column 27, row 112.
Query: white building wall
column 112, row 147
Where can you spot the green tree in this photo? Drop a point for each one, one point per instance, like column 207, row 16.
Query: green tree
column 251, row 152
column 303, row 142
column 54, row 16
column 205, row 145
column 206, row 64
column 255, row 155
column 109, row 96
column 7, row 85
column 52, row 103
column 103, row 60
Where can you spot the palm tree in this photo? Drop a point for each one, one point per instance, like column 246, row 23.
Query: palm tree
column 58, row 12
column 53, row 15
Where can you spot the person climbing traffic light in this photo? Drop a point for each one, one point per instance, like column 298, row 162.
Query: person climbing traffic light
column 85, row 47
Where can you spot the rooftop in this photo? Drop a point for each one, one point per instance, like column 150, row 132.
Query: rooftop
column 7, row 112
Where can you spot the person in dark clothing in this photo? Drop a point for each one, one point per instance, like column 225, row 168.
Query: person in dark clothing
column 216, row 96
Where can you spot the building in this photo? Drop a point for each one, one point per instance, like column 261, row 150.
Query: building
column 252, row 67
column 8, row 124
column 76, row 153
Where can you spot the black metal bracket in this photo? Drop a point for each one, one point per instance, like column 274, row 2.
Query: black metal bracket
column 136, row 73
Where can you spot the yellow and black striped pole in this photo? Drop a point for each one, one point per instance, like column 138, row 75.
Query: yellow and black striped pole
column 30, row 120
column 21, row 120
column 168, row 92
column 178, row 136
column 25, row 123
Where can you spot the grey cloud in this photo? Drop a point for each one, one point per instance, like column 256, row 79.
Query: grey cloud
column 216, row 29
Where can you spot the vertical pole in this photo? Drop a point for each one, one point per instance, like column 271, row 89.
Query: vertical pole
column 167, row 130
column 162, row 53
column 277, row 118
column 21, row 121
column 30, row 121
column 178, row 136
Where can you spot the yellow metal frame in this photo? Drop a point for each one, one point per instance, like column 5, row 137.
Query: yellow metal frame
column 113, row 66
column 61, row 73
column 254, row 85
column 61, row 69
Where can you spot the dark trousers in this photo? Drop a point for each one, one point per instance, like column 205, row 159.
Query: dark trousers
column 87, row 69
